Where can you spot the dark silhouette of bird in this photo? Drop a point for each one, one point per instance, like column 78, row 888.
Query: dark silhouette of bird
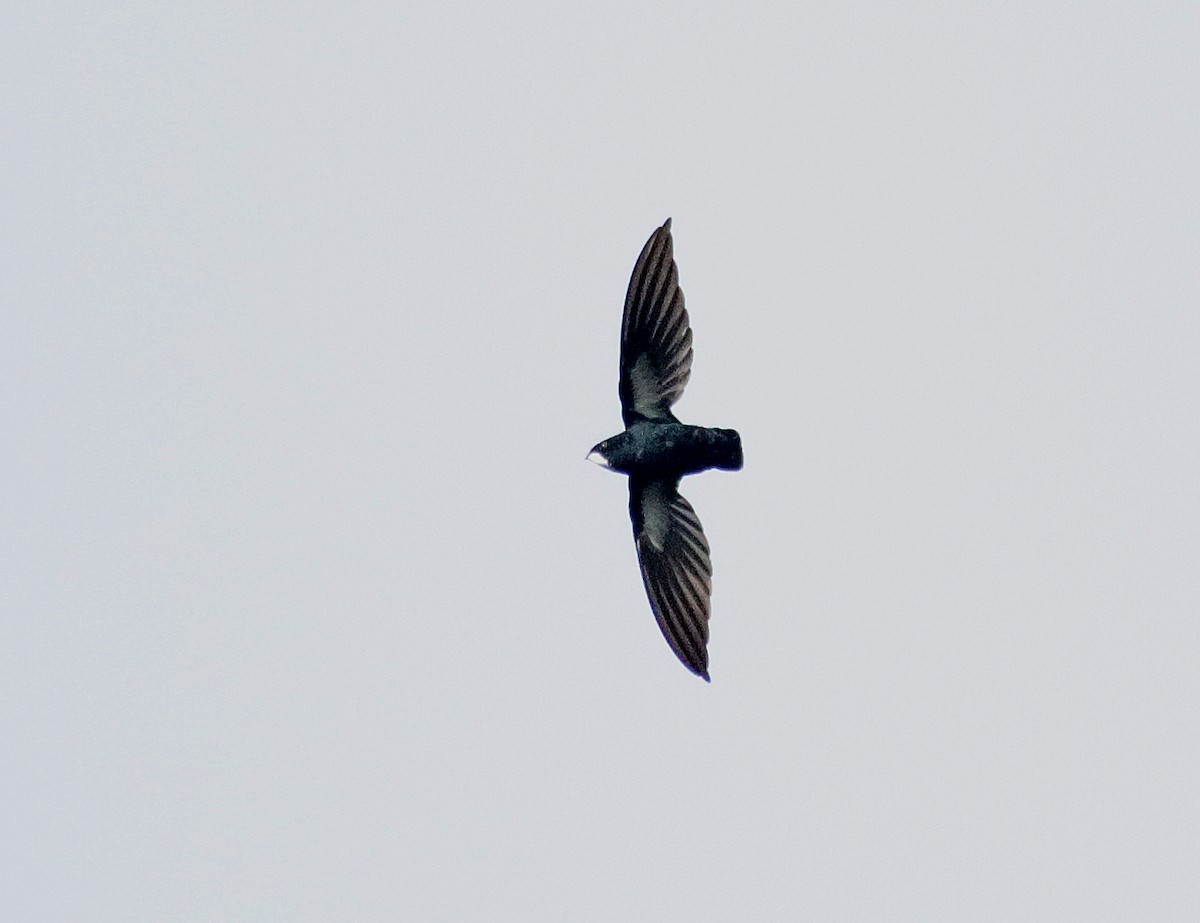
column 656, row 450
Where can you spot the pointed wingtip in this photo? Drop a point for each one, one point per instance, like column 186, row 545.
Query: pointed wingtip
column 704, row 676
column 667, row 225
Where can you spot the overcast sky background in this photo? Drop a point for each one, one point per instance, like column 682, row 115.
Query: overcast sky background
column 312, row 608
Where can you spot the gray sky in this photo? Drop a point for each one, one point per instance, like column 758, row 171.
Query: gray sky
column 312, row 608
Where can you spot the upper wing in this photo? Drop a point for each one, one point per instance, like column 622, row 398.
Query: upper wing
column 656, row 336
column 676, row 567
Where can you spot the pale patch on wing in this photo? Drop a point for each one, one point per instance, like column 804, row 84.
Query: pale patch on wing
column 676, row 568
column 656, row 514
column 656, row 334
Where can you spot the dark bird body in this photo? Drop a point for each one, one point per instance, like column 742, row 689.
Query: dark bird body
column 656, row 450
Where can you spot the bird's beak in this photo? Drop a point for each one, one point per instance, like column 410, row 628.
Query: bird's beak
column 597, row 457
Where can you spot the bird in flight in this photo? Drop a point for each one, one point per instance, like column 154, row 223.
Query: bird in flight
column 656, row 450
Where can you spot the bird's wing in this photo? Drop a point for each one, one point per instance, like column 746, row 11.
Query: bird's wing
column 656, row 336
column 676, row 568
